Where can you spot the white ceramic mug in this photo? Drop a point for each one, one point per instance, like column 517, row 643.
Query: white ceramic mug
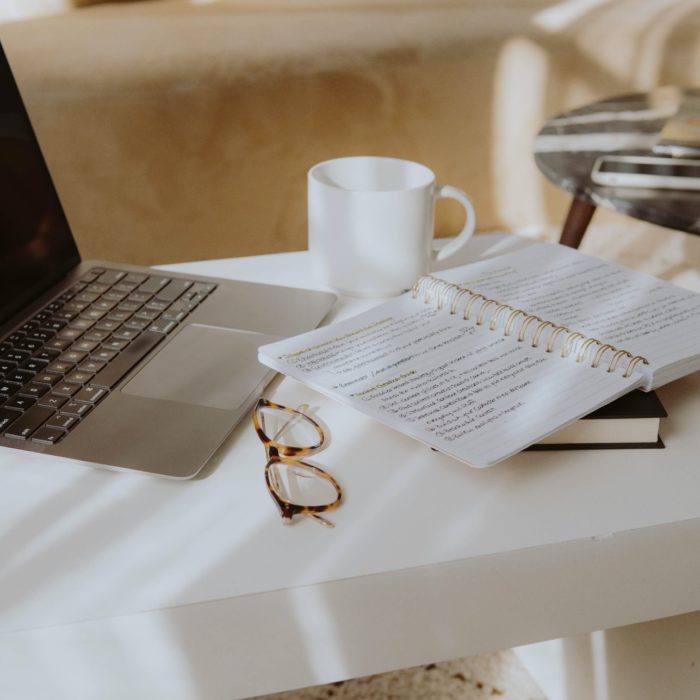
column 371, row 223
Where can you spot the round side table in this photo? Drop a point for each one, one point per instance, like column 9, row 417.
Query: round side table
column 568, row 145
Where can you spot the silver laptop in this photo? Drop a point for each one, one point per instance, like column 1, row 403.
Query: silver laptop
column 114, row 364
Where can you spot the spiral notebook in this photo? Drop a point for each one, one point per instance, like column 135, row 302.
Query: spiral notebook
column 488, row 358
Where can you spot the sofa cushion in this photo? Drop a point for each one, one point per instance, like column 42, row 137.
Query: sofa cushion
column 179, row 129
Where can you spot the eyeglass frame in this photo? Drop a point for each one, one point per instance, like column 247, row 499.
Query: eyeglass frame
column 278, row 453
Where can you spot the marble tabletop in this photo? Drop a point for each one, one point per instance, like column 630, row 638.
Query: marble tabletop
column 568, row 145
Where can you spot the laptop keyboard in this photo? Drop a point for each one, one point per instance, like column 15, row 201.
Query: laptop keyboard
column 68, row 356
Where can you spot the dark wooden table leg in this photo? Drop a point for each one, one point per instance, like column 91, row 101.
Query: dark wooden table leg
column 577, row 220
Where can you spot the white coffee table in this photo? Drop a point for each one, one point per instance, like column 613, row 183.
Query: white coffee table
column 116, row 585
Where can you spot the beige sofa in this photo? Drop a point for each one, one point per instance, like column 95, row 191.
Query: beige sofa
column 183, row 129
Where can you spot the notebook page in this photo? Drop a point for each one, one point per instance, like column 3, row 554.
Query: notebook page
column 468, row 391
column 628, row 309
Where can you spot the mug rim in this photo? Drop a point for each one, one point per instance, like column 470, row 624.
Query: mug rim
column 312, row 173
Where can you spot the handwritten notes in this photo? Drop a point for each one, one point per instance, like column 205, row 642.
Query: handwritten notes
column 463, row 383
column 618, row 306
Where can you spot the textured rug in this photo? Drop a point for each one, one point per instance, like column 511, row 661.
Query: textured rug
column 671, row 255
column 493, row 676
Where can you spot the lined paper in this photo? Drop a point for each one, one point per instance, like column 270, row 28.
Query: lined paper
column 622, row 307
column 468, row 391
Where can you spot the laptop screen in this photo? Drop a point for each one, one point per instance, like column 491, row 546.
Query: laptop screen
column 36, row 245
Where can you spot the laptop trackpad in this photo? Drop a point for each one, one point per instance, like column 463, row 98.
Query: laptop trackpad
column 205, row 366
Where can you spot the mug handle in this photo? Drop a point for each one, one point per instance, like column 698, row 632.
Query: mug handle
column 449, row 192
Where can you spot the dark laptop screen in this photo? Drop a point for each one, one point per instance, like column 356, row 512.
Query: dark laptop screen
column 36, row 245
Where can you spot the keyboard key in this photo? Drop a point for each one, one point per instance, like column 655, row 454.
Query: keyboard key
column 58, row 344
column 136, row 277
column 133, row 354
column 60, row 366
column 93, row 314
column 28, row 422
column 48, row 436
column 148, row 315
column 156, row 305
column 65, row 389
column 42, row 334
column 103, row 354
column 47, row 354
column 7, row 366
column 78, row 377
column 96, row 335
column 87, row 297
column 54, row 324
column 51, row 401
column 63, row 421
column 115, row 344
column 173, row 290
column 84, row 346
column 82, row 323
column 137, row 323
column 90, row 365
column 34, row 365
column 8, row 389
column 7, row 417
column 29, row 344
column 98, row 288
column 108, row 325
column 126, row 333
column 140, row 297
column 19, row 375
column 171, row 315
column 162, row 326
column 48, row 378
column 204, row 288
column 76, row 409
column 72, row 356
column 34, row 390
column 115, row 295
column 154, row 284
column 104, row 305
column 21, row 403
column 118, row 315
column 18, row 356
column 69, row 333
column 66, row 314
column 42, row 316
column 110, row 277
column 90, row 394
column 129, row 306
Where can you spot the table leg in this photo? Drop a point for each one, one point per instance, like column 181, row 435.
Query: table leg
column 577, row 220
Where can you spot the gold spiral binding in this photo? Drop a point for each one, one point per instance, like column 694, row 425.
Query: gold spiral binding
column 415, row 289
column 569, row 344
column 511, row 318
column 538, row 332
column 462, row 291
column 428, row 285
column 633, row 363
column 615, row 360
column 442, row 293
column 482, row 310
column 584, row 348
column 554, row 335
column 434, row 282
column 494, row 319
column 523, row 328
column 600, row 352
column 470, row 303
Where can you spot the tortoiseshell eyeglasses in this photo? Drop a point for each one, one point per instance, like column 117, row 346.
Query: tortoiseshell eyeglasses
column 297, row 487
